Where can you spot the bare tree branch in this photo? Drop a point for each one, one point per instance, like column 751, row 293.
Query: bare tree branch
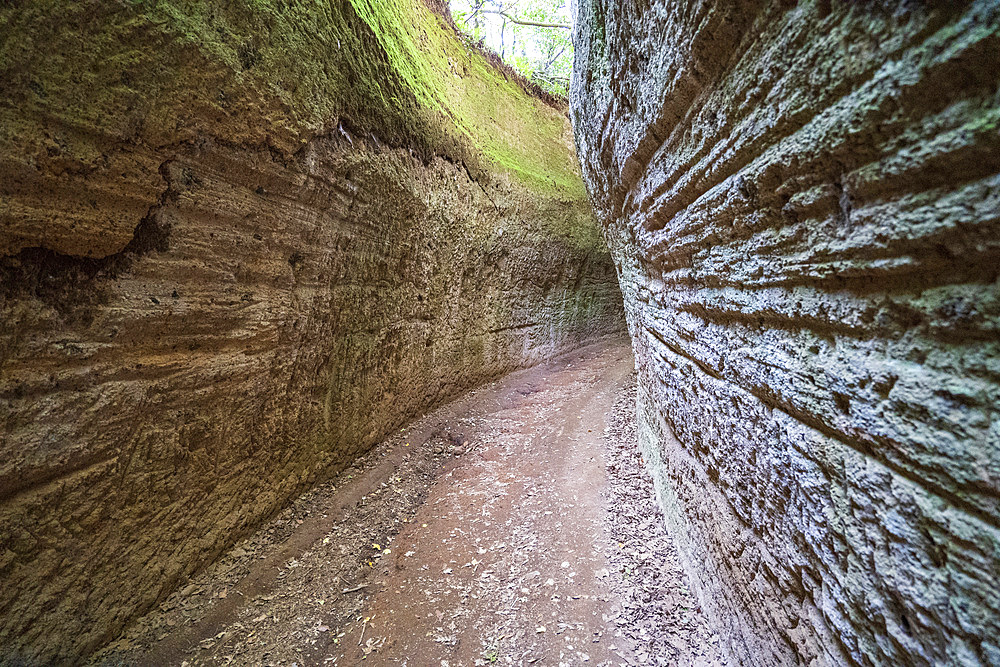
column 475, row 11
column 548, row 63
column 533, row 24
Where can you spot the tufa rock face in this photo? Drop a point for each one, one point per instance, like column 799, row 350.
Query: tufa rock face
column 802, row 202
column 222, row 280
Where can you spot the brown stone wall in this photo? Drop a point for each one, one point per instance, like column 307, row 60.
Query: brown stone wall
column 802, row 201
column 206, row 309
column 270, row 321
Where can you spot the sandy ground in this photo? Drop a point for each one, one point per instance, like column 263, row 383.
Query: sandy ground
column 515, row 526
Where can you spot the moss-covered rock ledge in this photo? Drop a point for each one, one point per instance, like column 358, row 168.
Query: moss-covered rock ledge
column 238, row 246
column 95, row 93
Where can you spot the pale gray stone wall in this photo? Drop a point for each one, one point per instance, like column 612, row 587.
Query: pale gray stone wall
column 803, row 203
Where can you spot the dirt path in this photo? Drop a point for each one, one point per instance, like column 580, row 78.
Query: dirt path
column 510, row 527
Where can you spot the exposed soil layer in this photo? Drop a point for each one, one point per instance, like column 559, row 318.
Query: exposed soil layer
column 515, row 525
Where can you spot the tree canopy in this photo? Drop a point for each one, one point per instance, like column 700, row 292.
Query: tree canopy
column 533, row 36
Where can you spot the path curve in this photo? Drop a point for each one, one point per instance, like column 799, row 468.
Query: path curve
column 482, row 534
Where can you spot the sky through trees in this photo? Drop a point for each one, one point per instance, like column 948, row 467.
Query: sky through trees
column 533, row 36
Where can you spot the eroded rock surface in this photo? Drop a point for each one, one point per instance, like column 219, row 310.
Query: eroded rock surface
column 802, row 202
column 240, row 246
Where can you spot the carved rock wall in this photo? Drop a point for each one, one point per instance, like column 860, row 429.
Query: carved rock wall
column 215, row 294
column 802, row 201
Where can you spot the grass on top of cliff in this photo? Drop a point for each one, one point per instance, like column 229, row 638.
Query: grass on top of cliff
column 271, row 72
column 515, row 131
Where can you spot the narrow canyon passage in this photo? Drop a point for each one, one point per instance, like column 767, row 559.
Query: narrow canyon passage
column 313, row 323
column 512, row 547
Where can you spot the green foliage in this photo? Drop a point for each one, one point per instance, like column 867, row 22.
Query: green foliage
column 542, row 54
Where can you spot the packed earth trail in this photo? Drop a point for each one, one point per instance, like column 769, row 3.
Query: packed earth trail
column 514, row 526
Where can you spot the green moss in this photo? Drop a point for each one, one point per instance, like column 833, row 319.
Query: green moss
column 280, row 71
column 512, row 130
column 276, row 73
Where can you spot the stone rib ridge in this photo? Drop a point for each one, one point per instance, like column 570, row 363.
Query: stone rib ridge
column 802, row 203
